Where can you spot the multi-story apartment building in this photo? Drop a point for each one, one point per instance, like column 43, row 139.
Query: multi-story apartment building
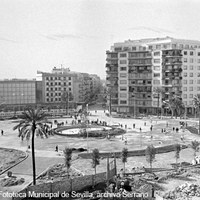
column 62, row 80
column 136, row 67
column 16, row 93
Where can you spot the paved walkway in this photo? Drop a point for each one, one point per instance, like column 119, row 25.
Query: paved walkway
column 24, row 169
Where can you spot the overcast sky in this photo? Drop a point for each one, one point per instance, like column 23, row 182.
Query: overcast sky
column 40, row 34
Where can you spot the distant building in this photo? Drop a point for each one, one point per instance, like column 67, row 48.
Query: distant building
column 136, row 67
column 16, row 93
column 62, row 80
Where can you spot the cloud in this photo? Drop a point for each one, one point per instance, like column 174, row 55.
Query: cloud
column 8, row 40
column 153, row 29
column 62, row 36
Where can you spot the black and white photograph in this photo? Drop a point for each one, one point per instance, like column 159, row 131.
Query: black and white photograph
column 99, row 100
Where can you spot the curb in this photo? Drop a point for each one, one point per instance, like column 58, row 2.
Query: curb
column 26, row 156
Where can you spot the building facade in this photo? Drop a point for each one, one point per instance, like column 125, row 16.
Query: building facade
column 15, row 93
column 62, row 80
column 135, row 68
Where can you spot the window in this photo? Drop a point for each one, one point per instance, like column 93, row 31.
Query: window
column 55, row 89
column 47, row 78
column 158, row 46
column 184, row 81
column 185, row 60
column 191, row 74
column 122, row 61
column 156, row 82
column 191, row 53
column 184, row 89
column 122, row 68
column 191, row 82
column 123, row 102
column 185, row 74
column 198, row 67
column 157, row 53
column 122, row 55
column 185, row 52
column 69, row 78
column 123, row 82
column 47, row 99
column 191, row 60
column 123, row 89
column 185, row 96
column 191, row 96
column 123, row 95
column 190, row 88
column 47, row 83
column 198, row 60
column 185, row 67
column 198, row 74
column 123, row 75
column 156, row 74
column 47, row 89
column 191, row 67
column 198, row 81
column 187, row 46
column 156, row 60
column 70, row 83
column 156, row 68
column 70, row 89
column 198, row 53
column 198, row 88
column 134, row 48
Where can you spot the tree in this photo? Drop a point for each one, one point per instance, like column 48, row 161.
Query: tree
column 150, row 153
column 176, row 105
column 31, row 124
column 68, row 157
column 124, row 156
column 66, row 97
column 177, row 149
column 195, row 146
column 95, row 159
column 196, row 104
column 158, row 91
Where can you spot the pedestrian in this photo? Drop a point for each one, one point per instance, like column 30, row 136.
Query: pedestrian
column 140, row 129
column 162, row 130
column 56, row 148
column 177, row 129
column 144, row 123
column 1, row 132
column 173, row 128
column 121, row 126
column 151, row 128
column 167, row 124
column 125, row 126
column 133, row 125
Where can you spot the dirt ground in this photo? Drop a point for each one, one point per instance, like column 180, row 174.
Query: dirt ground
column 9, row 157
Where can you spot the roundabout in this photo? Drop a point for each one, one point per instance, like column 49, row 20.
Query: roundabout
column 90, row 130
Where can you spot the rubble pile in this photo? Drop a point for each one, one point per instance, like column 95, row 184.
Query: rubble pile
column 185, row 191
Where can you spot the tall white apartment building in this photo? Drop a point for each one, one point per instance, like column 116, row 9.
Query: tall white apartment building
column 136, row 67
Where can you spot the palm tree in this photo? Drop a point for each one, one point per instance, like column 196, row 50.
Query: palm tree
column 196, row 103
column 158, row 91
column 124, row 156
column 195, row 146
column 31, row 124
column 68, row 157
column 95, row 159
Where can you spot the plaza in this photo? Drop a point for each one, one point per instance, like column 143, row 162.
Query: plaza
column 137, row 138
